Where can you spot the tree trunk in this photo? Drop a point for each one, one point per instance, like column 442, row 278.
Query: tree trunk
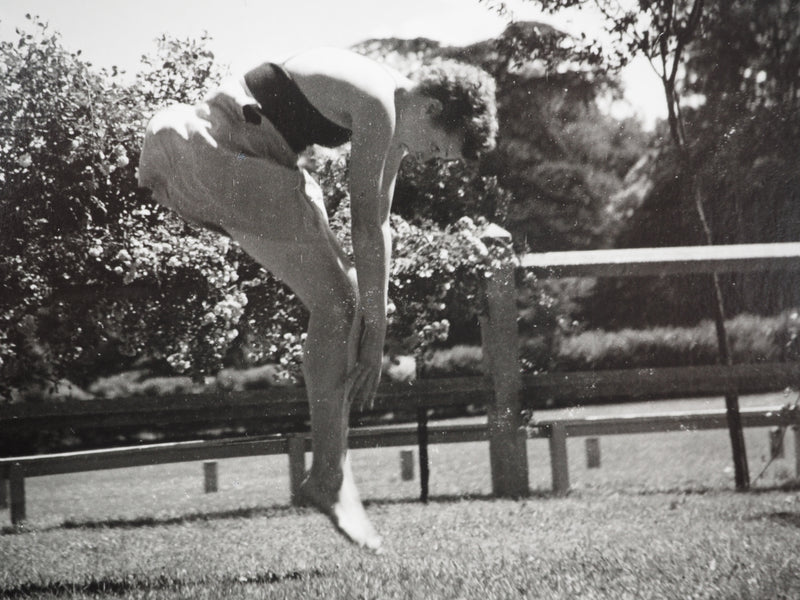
column 741, row 470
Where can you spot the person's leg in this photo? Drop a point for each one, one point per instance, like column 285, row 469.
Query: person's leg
column 275, row 212
column 321, row 276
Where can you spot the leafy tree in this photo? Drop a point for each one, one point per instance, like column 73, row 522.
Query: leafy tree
column 558, row 156
column 557, row 164
column 94, row 275
column 742, row 133
column 67, row 148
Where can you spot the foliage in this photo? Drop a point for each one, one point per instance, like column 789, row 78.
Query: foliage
column 558, row 164
column 753, row 339
column 95, row 275
column 557, row 154
column 442, row 192
column 436, row 278
column 741, row 132
column 179, row 72
column 68, row 141
column 559, row 157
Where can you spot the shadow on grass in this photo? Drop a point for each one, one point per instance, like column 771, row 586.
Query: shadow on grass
column 453, row 498
column 158, row 521
column 240, row 513
column 789, row 519
column 109, row 586
column 788, row 486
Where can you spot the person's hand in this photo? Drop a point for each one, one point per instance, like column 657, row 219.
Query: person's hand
column 364, row 377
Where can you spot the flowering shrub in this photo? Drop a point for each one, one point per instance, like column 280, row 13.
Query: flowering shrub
column 93, row 274
column 435, row 273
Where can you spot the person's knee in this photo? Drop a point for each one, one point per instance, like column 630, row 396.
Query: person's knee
column 334, row 310
column 342, row 310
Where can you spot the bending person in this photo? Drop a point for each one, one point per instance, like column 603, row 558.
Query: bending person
column 231, row 163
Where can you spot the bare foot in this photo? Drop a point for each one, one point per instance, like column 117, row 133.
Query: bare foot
column 345, row 511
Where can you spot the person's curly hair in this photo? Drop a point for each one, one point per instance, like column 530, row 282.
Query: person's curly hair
column 467, row 94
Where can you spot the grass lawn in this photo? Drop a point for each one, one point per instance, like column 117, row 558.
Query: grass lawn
column 658, row 520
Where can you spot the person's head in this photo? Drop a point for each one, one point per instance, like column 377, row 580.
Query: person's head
column 460, row 111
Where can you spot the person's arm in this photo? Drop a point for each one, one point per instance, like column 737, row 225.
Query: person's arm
column 371, row 186
column 358, row 93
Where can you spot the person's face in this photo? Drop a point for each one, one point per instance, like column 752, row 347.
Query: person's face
column 444, row 145
column 430, row 140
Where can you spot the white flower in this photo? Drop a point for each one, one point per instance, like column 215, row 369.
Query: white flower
column 465, row 222
column 25, row 161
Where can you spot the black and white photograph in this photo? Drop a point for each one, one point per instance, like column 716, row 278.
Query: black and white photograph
column 420, row 300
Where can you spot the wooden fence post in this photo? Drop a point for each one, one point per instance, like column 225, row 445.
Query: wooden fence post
column 296, row 446
column 406, row 465
column 797, row 450
column 210, row 479
column 592, row 453
column 422, row 441
column 559, row 463
column 16, row 481
column 776, row 442
column 507, row 439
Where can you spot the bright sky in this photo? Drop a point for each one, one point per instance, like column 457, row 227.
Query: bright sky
column 244, row 32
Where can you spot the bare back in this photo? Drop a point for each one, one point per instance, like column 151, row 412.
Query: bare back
column 339, row 82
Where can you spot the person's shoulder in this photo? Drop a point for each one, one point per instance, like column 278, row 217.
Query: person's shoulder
column 325, row 53
column 321, row 57
column 336, row 77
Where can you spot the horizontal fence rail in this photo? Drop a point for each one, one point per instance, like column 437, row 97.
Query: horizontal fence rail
column 560, row 389
column 681, row 260
column 774, row 416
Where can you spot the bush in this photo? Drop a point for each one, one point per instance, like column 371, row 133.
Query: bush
column 256, row 378
column 752, row 339
column 140, row 382
column 458, row 361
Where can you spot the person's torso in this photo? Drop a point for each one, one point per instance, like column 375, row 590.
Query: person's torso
column 281, row 101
